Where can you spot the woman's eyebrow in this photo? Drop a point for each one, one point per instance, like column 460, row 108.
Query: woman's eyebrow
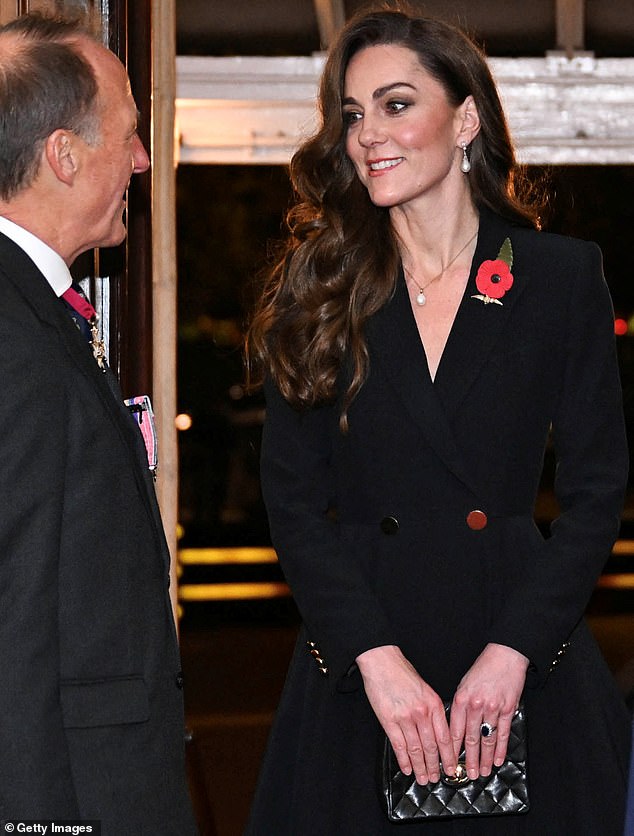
column 381, row 91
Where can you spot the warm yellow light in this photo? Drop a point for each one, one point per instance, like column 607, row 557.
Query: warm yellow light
column 224, row 556
column 624, row 547
column 620, row 581
column 183, row 422
column 232, row 591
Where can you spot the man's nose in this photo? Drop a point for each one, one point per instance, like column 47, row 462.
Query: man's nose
column 140, row 159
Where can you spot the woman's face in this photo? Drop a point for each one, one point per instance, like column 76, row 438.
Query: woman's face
column 402, row 134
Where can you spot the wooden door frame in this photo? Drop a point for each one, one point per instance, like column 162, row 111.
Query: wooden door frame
column 147, row 290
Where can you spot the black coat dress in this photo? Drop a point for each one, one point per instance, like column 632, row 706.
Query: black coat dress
column 374, row 533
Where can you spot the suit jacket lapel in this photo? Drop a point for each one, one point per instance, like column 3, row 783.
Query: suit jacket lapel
column 477, row 326
column 31, row 284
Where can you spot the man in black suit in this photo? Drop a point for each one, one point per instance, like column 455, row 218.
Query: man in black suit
column 91, row 714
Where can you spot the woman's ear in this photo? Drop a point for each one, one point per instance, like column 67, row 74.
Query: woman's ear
column 469, row 121
column 61, row 154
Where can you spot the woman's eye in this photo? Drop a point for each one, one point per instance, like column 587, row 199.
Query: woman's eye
column 396, row 106
column 350, row 117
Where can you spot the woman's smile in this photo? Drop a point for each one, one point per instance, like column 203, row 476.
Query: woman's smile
column 377, row 166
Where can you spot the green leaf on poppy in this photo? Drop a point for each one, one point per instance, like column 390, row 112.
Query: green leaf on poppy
column 506, row 253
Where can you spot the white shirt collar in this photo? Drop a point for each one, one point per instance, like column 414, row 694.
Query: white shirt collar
column 50, row 263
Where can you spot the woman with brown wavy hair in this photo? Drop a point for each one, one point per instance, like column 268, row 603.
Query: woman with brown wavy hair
column 417, row 340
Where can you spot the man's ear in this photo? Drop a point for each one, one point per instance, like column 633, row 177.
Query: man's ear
column 470, row 121
column 61, row 153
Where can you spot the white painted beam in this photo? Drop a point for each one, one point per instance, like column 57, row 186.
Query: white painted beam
column 257, row 110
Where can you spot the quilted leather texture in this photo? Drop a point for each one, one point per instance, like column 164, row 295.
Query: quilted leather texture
column 504, row 791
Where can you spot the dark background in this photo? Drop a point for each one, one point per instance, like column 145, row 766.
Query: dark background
column 289, row 27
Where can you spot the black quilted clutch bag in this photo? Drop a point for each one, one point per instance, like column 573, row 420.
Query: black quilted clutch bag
column 504, row 791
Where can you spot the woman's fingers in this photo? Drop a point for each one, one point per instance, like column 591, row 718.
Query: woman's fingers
column 399, row 744
column 472, row 743
column 494, row 734
column 490, row 733
column 486, row 738
column 411, row 712
column 429, row 748
column 503, row 737
column 423, row 752
column 484, row 705
column 446, row 751
column 425, row 748
column 457, row 728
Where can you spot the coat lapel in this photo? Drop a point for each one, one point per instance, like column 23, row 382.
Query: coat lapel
column 477, row 327
column 395, row 344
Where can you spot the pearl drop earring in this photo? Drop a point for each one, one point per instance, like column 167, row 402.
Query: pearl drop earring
column 465, row 165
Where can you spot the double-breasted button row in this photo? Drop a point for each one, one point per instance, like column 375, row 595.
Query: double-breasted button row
column 560, row 655
column 316, row 654
column 476, row 520
column 389, row 525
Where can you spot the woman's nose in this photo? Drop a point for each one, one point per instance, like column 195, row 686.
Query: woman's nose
column 370, row 133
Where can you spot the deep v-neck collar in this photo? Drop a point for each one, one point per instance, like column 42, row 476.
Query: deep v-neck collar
column 402, row 279
column 396, row 345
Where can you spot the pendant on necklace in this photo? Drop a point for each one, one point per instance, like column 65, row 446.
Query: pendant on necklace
column 421, row 299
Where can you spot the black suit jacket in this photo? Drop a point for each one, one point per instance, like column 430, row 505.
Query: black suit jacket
column 372, row 531
column 91, row 695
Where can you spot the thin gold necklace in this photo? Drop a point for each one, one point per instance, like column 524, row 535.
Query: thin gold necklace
column 420, row 297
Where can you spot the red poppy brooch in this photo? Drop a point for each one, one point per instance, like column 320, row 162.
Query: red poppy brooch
column 494, row 278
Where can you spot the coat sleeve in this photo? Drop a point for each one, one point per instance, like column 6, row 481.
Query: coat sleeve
column 341, row 613
column 35, row 774
column 590, row 445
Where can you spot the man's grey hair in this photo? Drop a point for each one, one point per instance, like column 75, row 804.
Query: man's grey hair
column 45, row 84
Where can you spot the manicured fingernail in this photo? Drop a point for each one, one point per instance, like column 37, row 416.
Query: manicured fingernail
column 472, row 773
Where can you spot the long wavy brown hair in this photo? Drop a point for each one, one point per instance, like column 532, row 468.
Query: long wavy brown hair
column 340, row 261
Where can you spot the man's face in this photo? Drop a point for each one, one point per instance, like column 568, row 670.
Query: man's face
column 108, row 164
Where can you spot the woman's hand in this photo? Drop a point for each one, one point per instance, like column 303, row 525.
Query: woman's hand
column 489, row 693
column 411, row 713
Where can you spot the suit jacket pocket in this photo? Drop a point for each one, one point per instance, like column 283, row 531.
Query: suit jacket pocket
column 104, row 702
